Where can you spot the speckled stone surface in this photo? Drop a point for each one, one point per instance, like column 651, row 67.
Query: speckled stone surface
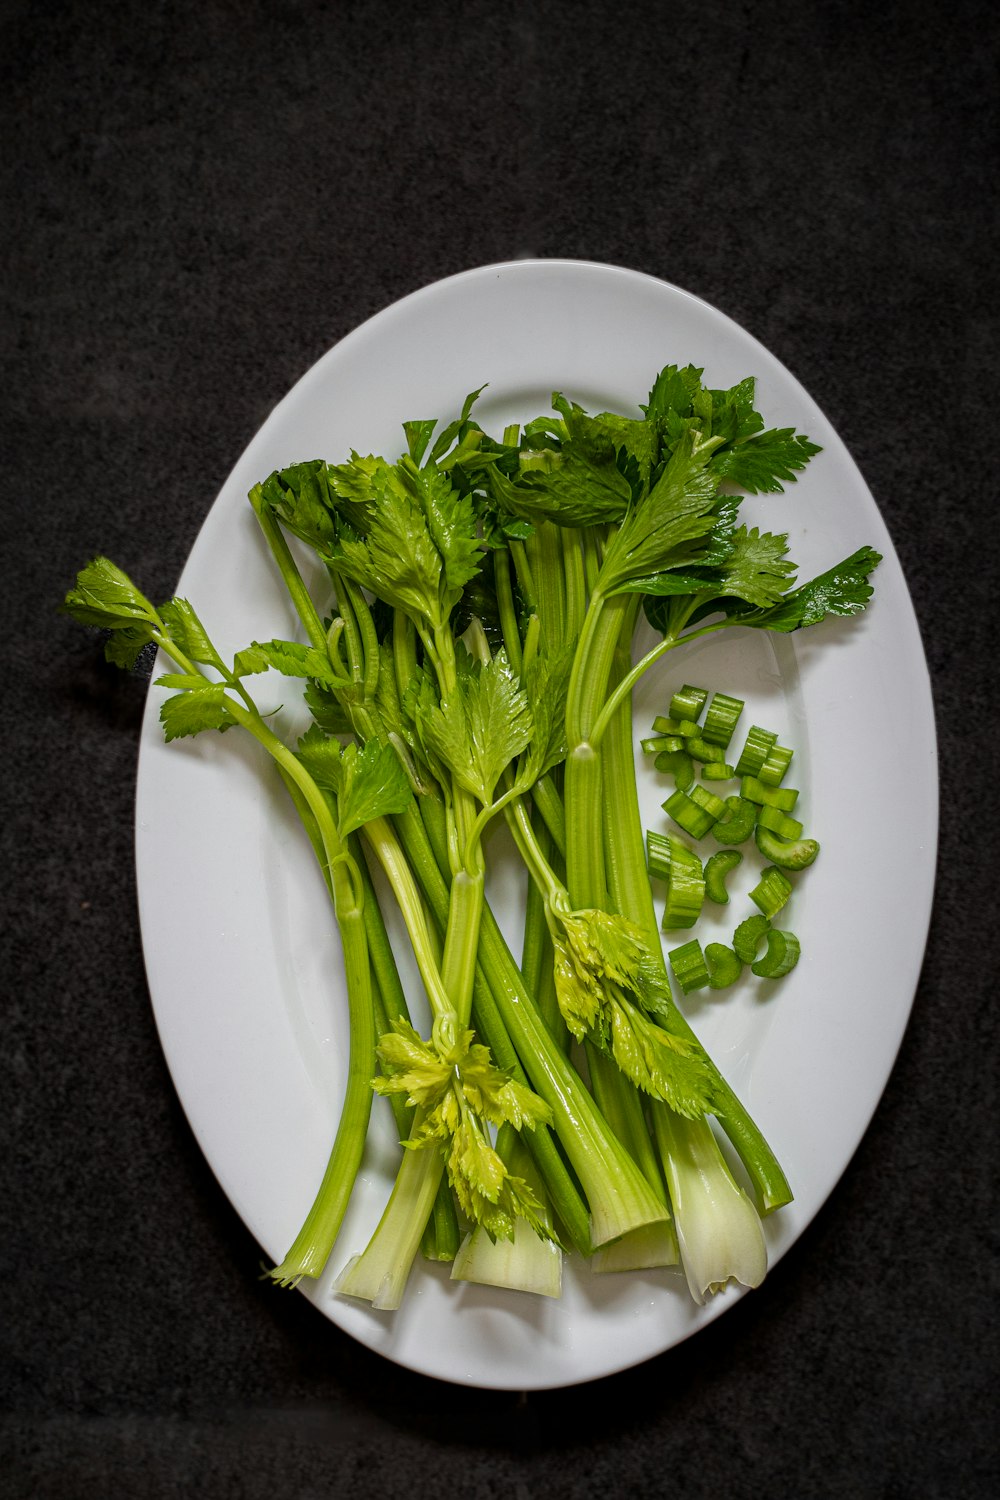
column 197, row 201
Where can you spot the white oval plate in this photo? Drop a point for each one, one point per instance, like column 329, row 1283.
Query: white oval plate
column 241, row 949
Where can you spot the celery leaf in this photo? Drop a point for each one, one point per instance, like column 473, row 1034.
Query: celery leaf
column 759, row 464
column 321, row 756
column 734, row 417
column 373, row 784
column 106, row 597
column 290, row 658
column 841, row 590
column 418, row 435
column 421, row 547
column 124, row 647
column 185, row 628
column 757, row 569
column 546, row 683
column 479, row 729
column 191, row 711
column 665, row 1066
column 658, row 533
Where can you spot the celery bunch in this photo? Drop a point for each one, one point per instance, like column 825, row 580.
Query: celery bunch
column 468, row 658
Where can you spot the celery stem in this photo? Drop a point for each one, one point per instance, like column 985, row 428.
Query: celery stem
column 381, row 839
column 585, row 877
column 379, row 1274
column 508, row 614
column 289, row 571
column 311, row 1248
column 458, row 966
column 545, row 796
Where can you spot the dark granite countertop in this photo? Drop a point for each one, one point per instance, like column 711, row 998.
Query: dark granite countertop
column 198, row 200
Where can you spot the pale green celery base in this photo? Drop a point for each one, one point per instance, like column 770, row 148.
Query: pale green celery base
column 613, row 1214
column 718, row 1228
column 642, row 1250
column 619, row 1102
column 527, row 1263
column 380, row 1273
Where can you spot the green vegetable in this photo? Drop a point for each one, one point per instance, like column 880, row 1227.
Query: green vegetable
column 711, row 804
column 724, row 965
column 687, row 702
column 329, row 806
column 771, row 892
column 680, row 765
column 671, row 860
column 747, row 937
column 773, row 820
column 781, row 956
column 736, row 823
column 755, row 751
column 776, row 763
column 688, row 964
column 700, row 749
column 783, row 798
column 717, row 867
column 688, row 813
column 467, row 655
column 721, row 719
column 794, row 855
column 716, row 772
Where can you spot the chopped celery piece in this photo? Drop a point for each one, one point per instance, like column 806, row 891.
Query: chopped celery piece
column 688, row 702
column 720, row 720
column 787, row 856
column 687, row 813
column 659, row 742
column 782, row 797
column 724, row 965
column 717, row 868
column 671, row 860
column 782, row 954
column 717, row 771
column 658, row 856
column 700, row 749
column 754, row 752
column 688, row 964
column 686, row 728
column 776, row 821
column 771, row 892
column 676, row 763
column 746, row 938
column 707, row 800
column 736, row 824
column 779, row 758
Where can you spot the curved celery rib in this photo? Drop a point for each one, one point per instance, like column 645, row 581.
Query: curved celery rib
column 632, row 895
column 311, row 1248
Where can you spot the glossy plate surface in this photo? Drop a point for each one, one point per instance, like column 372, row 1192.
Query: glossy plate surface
column 241, row 948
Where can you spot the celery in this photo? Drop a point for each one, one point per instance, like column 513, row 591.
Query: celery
column 471, row 641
